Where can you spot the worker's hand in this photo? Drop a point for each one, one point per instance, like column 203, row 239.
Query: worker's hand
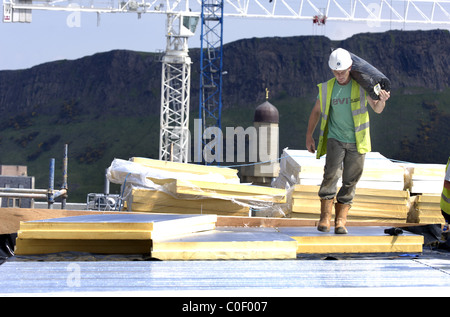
column 310, row 144
column 384, row 95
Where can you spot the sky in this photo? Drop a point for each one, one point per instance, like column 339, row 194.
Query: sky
column 49, row 37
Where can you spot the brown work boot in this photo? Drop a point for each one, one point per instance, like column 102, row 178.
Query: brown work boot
column 340, row 220
column 326, row 207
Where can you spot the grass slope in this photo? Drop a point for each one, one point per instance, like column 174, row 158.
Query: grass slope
column 414, row 127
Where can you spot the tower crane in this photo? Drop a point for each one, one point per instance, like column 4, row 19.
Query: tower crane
column 211, row 71
column 182, row 17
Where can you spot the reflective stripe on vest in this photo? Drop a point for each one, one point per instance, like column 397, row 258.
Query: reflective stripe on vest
column 359, row 112
column 445, row 197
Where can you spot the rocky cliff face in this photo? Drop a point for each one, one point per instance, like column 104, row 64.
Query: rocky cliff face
column 128, row 83
column 121, row 82
column 296, row 65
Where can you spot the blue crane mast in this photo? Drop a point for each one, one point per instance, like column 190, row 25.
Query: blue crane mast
column 210, row 95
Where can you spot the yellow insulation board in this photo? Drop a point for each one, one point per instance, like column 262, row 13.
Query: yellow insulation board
column 427, row 209
column 227, row 191
column 228, row 173
column 148, row 200
column 154, row 225
column 45, row 246
column 369, row 204
column 227, row 244
column 358, row 240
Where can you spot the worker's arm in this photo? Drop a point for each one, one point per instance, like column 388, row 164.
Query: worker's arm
column 446, row 184
column 312, row 123
column 378, row 105
column 447, row 179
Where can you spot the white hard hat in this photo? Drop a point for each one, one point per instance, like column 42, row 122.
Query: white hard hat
column 340, row 59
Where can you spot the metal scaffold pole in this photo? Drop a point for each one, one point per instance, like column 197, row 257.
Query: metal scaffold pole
column 49, row 194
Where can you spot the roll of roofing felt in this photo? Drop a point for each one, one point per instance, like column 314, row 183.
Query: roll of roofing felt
column 370, row 78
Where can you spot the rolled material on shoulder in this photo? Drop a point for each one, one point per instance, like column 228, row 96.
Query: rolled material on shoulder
column 368, row 76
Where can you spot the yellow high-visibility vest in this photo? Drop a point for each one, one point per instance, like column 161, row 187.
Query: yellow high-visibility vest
column 445, row 197
column 359, row 112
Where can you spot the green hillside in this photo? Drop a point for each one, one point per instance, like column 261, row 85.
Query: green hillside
column 107, row 105
column 406, row 130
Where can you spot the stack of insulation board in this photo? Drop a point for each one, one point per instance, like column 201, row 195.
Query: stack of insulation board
column 163, row 236
column 427, row 209
column 302, row 167
column 121, row 233
column 194, row 237
column 299, row 167
column 424, row 178
column 147, row 200
column 368, row 205
column 191, row 188
column 197, row 169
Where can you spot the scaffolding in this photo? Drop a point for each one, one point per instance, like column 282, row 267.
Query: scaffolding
column 49, row 194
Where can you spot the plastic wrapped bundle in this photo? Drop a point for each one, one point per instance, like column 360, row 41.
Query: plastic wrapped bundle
column 370, row 78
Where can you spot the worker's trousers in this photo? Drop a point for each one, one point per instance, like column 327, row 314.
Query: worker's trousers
column 342, row 159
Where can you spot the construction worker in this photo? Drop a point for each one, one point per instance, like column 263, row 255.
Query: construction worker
column 344, row 137
column 445, row 197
